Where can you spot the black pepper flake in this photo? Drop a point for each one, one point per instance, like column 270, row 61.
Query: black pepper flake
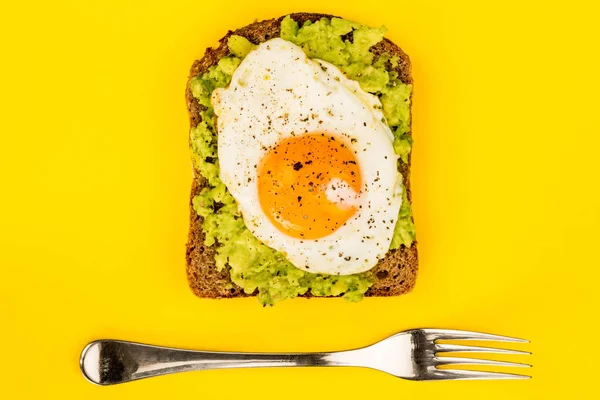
column 298, row 166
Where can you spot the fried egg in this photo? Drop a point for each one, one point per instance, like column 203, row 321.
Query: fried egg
column 308, row 156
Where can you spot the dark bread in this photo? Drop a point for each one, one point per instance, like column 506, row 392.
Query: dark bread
column 396, row 274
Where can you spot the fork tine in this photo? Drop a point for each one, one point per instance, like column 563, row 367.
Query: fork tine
column 452, row 334
column 476, row 361
column 459, row 374
column 445, row 348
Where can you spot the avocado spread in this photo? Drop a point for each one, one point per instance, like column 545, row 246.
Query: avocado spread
column 254, row 266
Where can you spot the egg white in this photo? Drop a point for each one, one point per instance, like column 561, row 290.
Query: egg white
column 278, row 92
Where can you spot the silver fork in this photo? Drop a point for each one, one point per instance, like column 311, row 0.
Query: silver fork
column 414, row 354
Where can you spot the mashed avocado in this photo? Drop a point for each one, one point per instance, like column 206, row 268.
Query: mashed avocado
column 254, row 266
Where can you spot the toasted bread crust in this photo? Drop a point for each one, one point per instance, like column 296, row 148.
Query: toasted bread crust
column 396, row 273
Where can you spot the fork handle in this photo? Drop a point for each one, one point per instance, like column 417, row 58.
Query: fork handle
column 109, row 362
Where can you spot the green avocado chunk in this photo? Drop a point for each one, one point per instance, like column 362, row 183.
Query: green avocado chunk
column 255, row 267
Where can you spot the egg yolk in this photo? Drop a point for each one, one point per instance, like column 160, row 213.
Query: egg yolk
column 309, row 185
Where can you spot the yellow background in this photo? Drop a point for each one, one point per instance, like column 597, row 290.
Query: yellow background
column 95, row 178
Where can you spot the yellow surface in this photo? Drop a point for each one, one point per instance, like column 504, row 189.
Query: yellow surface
column 95, row 177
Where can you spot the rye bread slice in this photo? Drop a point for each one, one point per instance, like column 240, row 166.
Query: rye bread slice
column 395, row 274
